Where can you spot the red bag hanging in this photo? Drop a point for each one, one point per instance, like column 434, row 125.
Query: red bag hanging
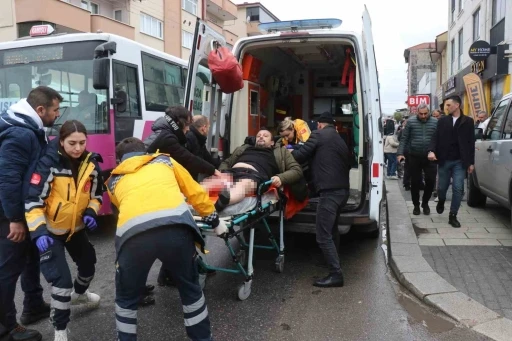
column 226, row 70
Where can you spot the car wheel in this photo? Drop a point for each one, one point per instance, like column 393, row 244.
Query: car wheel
column 475, row 197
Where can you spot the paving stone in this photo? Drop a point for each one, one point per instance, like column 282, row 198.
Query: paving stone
column 498, row 230
column 404, row 249
column 489, row 235
column 404, row 236
column 462, row 308
column 506, row 242
column 410, row 264
column 426, row 283
column 498, row 330
column 452, row 230
column 453, row 234
column 431, row 242
column 461, row 220
column 488, row 242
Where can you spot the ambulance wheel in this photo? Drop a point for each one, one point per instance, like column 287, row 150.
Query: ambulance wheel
column 244, row 291
column 202, row 280
column 280, row 263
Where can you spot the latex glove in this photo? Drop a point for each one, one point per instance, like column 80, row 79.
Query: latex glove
column 289, row 146
column 43, row 243
column 221, row 228
column 90, row 222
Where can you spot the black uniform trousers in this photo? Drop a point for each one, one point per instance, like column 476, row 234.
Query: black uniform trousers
column 18, row 259
column 55, row 270
column 174, row 246
column 419, row 165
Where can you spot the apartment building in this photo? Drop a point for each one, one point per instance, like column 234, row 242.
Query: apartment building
column 438, row 57
column 250, row 15
column 419, row 63
column 166, row 25
column 469, row 21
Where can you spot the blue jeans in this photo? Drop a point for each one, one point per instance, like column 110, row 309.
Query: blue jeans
column 392, row 163
column 452, row 170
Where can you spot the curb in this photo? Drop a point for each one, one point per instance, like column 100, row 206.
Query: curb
column 413, row 272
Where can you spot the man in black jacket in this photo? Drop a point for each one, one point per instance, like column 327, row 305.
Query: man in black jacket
column 330, row 169
column 453, row 146
column 416, row 139
column 196, row 142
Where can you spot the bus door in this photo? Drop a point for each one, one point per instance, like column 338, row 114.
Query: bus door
column 205, row 39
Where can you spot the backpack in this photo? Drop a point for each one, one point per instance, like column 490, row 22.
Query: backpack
column 226, row 70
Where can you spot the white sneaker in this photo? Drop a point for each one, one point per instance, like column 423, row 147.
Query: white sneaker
column 61, row 335
column 87, row 298
column 436, row 199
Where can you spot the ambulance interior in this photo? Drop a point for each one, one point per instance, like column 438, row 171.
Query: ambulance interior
column 302, row 80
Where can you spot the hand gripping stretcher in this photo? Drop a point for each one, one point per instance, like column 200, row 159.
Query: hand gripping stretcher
column 242, row 218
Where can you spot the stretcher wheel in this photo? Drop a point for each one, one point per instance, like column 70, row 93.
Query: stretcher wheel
column 202, row 280
column 244, row 290
column 280, row 263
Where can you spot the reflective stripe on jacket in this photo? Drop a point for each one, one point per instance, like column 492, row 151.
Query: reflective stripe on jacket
column 55, row 203
column 149, row 190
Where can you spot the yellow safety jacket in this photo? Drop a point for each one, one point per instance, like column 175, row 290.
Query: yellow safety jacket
column 148, row 191
column 302, row 132
column 56, row 203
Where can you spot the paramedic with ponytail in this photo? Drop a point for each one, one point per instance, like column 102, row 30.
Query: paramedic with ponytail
column 64, row 198
column 294, row 133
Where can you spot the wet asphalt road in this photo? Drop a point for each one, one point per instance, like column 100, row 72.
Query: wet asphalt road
column 281, row 307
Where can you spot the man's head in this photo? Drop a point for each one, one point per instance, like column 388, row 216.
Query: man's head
column 325, row 120
column 452, row 104
column 264, row 139
column 423, row 112
column 46, row 102
column 200, row 122
column 180, row 115
column 436, row 114
column 129, row 145
column 482, row 116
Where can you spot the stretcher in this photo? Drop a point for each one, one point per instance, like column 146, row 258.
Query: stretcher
column 242, row 218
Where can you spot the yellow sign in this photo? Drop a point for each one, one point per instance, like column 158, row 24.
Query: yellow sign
column 475, row 94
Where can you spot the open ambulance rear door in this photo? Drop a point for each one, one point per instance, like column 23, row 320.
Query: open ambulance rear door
column 372, row 116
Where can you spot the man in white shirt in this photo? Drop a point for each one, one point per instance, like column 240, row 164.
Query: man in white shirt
column 483, row 120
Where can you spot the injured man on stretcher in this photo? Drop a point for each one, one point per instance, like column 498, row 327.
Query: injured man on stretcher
column 251, row 165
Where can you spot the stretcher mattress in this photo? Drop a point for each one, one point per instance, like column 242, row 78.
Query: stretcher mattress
column 245, row 205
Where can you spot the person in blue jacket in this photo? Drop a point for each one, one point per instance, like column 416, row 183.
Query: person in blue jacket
column 22, row 143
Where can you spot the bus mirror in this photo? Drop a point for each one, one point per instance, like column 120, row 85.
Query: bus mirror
column 120, row 101
column 100, row 74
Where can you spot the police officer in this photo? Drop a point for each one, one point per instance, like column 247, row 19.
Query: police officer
column 64, row 198
column 169, row 233
column 330, row 167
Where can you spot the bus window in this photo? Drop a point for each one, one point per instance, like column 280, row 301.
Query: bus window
column 163, row 83
column 125, row 79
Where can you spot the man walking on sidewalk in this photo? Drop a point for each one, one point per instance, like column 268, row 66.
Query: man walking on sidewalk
column 416, row 138
column 453, row 146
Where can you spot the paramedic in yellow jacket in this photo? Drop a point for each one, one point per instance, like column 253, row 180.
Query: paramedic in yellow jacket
column 294, row 133
column 155, row 223
column 65, row 195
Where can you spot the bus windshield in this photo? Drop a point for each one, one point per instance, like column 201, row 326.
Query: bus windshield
column 67, row 68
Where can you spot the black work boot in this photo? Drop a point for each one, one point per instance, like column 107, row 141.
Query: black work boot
column 452, row 220
column 440, row 206
column 164, row 280
column 34, row 315
column 23, row 334
column 416, row 210
column 223, row 200
column 426, row 209
column 332, row 280
column 146, row 300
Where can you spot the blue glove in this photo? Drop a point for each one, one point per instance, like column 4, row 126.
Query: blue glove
column 289, row 146
column 90, row 222
column 43, row 243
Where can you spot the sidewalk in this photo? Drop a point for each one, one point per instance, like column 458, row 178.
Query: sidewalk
column 465, row 272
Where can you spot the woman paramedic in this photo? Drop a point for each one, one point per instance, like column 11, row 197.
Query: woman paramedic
column 65, row 196
column 294, row 133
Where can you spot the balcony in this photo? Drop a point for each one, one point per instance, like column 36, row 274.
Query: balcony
column 231, row 38
column 252, row 28
column 107, row 25
column 222, row 9
column 53, row 11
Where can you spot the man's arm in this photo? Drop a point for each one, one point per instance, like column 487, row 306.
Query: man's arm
column 293, row 171
column 306, row 152
column 14, row 161
column 406, row 137
column 432, row 147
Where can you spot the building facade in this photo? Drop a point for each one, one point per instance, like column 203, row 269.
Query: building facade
column 427, row 86
column 418, row 59
column 167, row 25
column 469, row 21
column 438, row 57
